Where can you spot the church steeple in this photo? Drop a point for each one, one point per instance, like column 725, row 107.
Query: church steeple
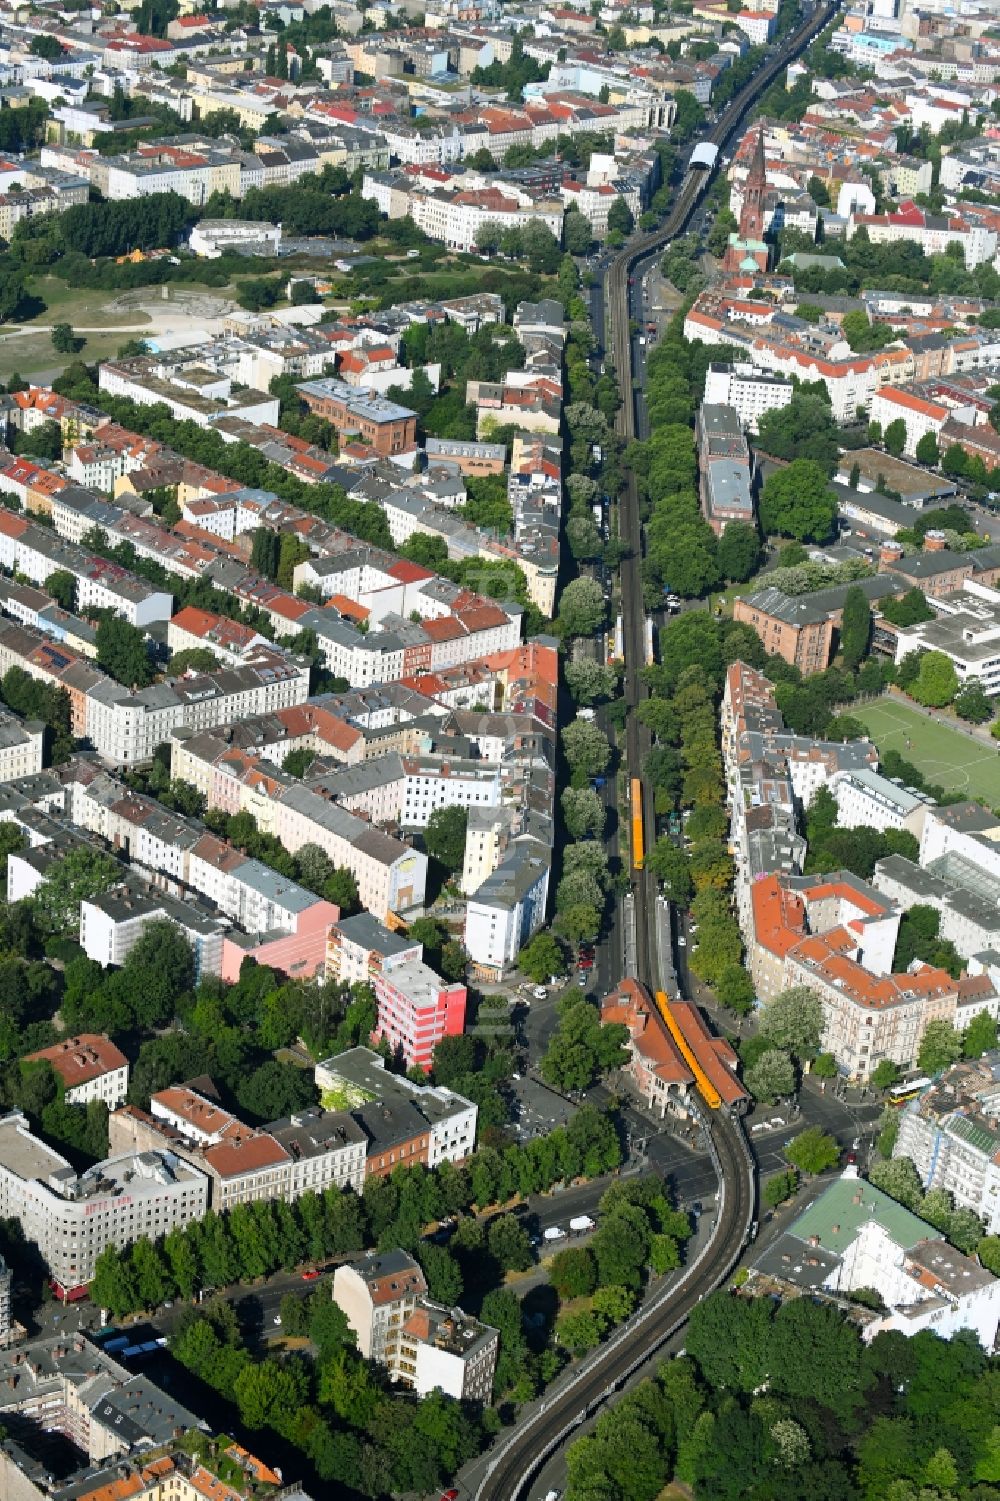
column 752, row 212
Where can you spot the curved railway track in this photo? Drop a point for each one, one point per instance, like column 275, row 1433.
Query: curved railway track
column 539, row 1435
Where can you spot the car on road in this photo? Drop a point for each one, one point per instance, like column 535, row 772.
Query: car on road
column 582, row 981
column 451, row 1495
column 310, row 1274
column 681, row 941
column 277, row 1321
column 539, row 993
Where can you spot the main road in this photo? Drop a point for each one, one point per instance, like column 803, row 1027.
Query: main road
column 573, row 1399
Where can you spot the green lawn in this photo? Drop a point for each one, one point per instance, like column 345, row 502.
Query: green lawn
column 943, row 754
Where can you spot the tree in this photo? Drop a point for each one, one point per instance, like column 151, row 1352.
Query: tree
column 342, row 890
column 582, row 608
column 825, row 1066
column 588, row 681
column 81, row 874
column 121, row 651
column 793, row 1020
column 583, row 813
column 779, row 1188
column 578, row 235
column 936, row 682
column 940, row 1046
column 927, row 451
column 444, row 1278
column 64, row 341
column 673, row 868
column 894, row 437
column 444, row 836
column 581, row 1048
column 586, row 747
column 980, row 1036
column 735, row 989
column 972, row 704
column 620, row 217
column 62, row 586
column 508, row 1244
column 812, row 1151
column 541, row 957
column 573, row 1272
column 900, row 1180
column 771, row 1077
column 738, row 552
column 579, row 1332
column 855, row 627
column 885, row 1074
column 797, row 502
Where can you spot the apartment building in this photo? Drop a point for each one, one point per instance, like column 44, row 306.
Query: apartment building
column 112, row 924
column 442, row 1123
column 920, row 416
column 507, row 908
column 966, row 629
column 855, row 1236
column 969, row 916
column 421, row 1343
column 21, row 747
column 359, row 947
column 193, row 392
column 88, row 1067
column 867, row 800
column 72, row 1218
column 34, row 552
column 416, row 1009
column 950, row 1134
column 749, row 391
column 228, row 640
column 308, row 1152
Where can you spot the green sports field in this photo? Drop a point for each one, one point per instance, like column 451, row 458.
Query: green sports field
column 944, row 755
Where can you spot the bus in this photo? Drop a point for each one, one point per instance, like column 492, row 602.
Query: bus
column 638, row 842
column 907, row 1089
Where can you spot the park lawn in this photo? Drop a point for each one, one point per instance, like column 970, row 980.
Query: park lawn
column 31, row 354
column 943, row 754
column 89, row 307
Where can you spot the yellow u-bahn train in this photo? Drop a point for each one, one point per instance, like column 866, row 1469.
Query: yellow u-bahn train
column 638, row 841
column 706, row 1088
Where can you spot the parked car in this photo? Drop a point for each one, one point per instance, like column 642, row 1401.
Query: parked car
column 539, row 993
column 310, row 1274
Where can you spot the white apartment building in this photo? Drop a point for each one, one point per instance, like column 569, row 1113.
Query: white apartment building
column 89, row 1067
column 867, row 800
column 21, row 747
column 950, row 1134
column 358, row 947
column 893, row 403
column 487, row 836
column 125, row 728
column 112, row 924
column 426, row 1346
column 969, row 915
column 507, row 908
column 72, row 1218
column 855, row 1236
column 748, row 390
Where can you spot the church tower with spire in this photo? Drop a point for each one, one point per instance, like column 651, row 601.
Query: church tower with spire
column 754, row 189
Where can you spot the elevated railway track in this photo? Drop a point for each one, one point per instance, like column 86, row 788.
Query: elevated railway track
column 538, row 1435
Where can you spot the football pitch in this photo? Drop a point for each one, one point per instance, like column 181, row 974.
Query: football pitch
column 944, row 755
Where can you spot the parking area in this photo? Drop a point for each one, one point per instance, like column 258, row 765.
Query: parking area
column 539, row 1108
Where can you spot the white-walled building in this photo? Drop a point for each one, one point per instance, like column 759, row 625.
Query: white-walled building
column 21, row 747
column 421, row 1343
column 749, row 390
column 950, row 1135
column 89, row 1067
column 72, row 1218
column 507, row 908
column 854, row 1236
column 865, row 799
